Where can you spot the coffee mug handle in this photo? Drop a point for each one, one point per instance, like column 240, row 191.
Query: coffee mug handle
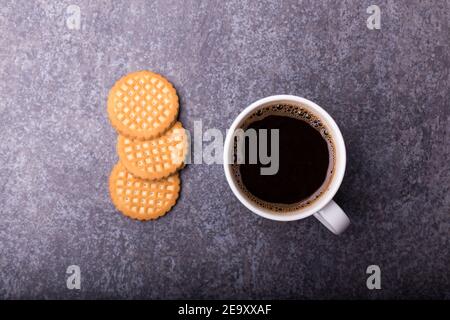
column 333, row 217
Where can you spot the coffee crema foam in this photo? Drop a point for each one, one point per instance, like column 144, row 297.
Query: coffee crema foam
column 296, row 112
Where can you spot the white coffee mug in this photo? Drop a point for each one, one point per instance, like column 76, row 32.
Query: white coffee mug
column 323, row 208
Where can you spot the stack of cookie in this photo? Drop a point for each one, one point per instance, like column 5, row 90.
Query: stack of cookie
column 152, row 145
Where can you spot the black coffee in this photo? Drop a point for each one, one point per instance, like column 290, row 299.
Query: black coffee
column 306, row 157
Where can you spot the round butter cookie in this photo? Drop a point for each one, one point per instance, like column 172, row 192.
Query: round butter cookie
column 142, row 199
column 157, row 158
column 142, row 105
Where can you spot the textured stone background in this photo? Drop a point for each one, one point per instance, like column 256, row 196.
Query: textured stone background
column 388, row 90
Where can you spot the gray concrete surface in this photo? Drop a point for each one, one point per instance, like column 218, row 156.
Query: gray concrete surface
column 388, row 90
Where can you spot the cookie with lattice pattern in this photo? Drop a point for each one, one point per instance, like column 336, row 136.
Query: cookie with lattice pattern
column 142, row 199
column 156, row 158
column 142, row 105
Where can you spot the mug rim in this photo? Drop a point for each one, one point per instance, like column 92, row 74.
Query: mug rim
column 336, row 179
